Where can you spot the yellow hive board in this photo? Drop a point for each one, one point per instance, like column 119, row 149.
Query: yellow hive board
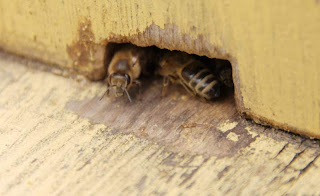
column 273, row 46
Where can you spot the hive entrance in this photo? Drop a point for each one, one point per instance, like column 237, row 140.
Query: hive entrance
column 179, row 121
column 130, row 66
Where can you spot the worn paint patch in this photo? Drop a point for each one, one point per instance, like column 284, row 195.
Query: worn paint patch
column 233, row 137
column 87, row 56
column 226, row 126
column 249, row 129
column 179, row 122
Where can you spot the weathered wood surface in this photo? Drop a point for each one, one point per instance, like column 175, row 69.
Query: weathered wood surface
column 57, row 138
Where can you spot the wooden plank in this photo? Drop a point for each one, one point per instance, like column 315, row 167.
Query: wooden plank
column 57, row 138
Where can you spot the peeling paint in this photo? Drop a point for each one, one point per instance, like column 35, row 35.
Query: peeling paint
column 233, row 137
column 226, row 126
column 251, row 132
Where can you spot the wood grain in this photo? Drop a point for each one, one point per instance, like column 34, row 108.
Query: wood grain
column 57, row 138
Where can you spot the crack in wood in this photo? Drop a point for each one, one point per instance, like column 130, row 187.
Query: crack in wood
column 308, row 166
column 222, row 172
column 193, row 172
column 292, row 160
column 281, row 150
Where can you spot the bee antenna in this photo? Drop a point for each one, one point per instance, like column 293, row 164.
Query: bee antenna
column 107, row 92
column 127, row 94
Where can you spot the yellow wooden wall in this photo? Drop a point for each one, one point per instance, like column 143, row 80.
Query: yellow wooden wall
column 274, row 46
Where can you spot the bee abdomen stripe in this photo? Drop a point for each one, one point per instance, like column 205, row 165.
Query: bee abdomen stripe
column 213, row 84
column 198, row 77
column 204, row 82
column 190, row 70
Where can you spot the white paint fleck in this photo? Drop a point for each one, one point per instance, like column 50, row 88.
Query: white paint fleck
column 226, row 126
column 233, row 136
column 253, row 134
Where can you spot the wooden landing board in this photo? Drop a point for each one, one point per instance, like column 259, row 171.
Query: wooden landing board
column 57, row 138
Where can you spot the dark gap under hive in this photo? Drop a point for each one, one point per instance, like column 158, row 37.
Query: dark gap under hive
column 155, row 54
column 179, row 121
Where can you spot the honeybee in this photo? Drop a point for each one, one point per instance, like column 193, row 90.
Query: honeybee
column 191, row 73
column 124, row 70
column 223, row 70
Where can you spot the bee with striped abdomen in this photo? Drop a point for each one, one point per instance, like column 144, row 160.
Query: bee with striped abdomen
column 192, row 74
column 124, row 69
column 223, row 71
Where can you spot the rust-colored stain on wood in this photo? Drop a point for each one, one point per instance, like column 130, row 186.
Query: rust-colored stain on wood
column 86, row 54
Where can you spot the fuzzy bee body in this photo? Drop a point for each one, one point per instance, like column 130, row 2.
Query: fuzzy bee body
column 223, row 70
column 200, row 81
column 190, row 73
column 124, row 69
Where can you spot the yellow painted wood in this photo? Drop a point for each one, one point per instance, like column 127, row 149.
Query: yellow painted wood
column 273, row 46
column 56, row 140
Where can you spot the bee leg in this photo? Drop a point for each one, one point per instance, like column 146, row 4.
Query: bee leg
column 138, row 83
column 105, row 93
column 129, row 98
column 165, row 85
column 193, row 93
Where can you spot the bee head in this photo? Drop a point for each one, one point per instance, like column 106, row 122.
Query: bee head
column 119, row 83
column 126, row 62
